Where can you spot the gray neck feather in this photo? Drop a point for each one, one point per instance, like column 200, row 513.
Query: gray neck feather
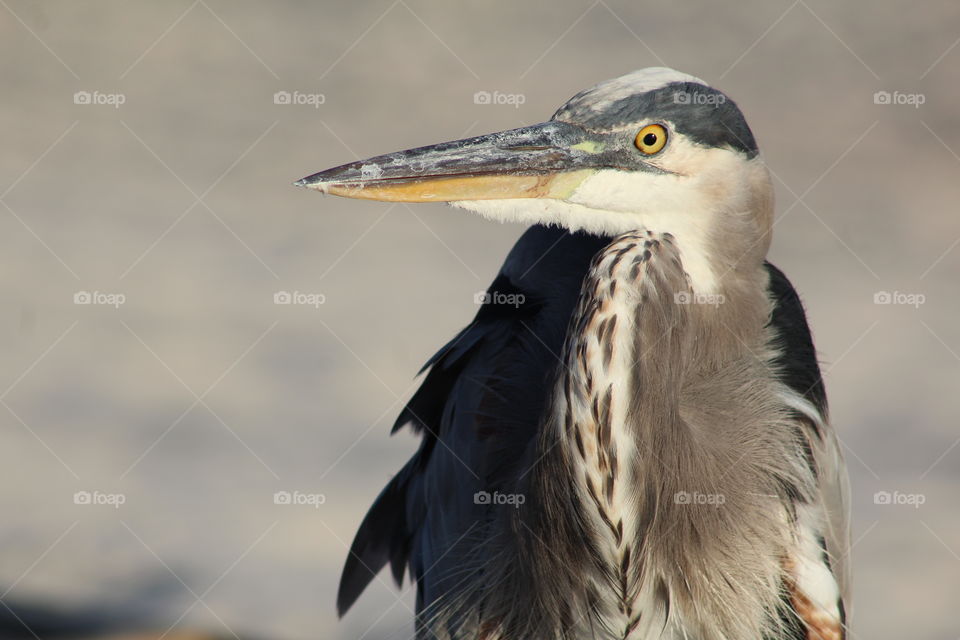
column 701, row 419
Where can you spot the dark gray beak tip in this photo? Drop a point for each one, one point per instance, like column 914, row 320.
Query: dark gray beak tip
column 305, row 182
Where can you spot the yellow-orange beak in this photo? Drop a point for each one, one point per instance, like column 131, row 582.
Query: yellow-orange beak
column 547, row 160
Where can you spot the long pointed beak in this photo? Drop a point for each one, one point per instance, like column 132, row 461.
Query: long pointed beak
column 543, row 160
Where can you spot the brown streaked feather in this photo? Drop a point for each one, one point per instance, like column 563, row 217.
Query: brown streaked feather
column 819, row 624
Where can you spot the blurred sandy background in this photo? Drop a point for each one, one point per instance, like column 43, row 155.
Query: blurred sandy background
column 198, row 398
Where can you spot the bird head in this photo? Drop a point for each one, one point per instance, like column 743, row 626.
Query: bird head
column 653, row 149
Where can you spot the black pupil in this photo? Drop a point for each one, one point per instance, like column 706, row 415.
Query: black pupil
column 650, row 139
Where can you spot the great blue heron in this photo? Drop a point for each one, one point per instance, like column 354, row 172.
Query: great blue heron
column 631, row 438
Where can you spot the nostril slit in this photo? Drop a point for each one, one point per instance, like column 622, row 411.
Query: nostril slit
column 526, row 148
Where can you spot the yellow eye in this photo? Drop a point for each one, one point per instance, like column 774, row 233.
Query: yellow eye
column 651, row 139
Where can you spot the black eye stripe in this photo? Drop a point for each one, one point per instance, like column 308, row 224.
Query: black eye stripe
column 712, row 119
